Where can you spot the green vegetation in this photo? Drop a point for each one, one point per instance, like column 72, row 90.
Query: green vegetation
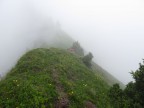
column 115, row 93
column 77, row 49
column 107, row 77
column 99, row 71
column 87, row 59
column 43, row 78
column 133, row 95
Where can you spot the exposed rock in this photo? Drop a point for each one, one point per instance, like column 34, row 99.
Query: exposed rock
column 89, row 104
column 62, row 103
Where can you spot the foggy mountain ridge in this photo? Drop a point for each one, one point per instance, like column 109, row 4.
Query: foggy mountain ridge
column 53, row 78
column 40, row 66
column 17, row 42
column 22, row 29
column 111, row 30
column 43, row 38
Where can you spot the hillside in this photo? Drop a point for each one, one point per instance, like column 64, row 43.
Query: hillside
column 47, row 78
column 64, row 41
column 106, row 75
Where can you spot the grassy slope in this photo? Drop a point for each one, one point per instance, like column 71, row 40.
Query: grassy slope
column 106, row 76
column 43, row 76
column 64, row 41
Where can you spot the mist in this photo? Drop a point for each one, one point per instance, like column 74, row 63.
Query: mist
column 112, row 30
column 23, row 28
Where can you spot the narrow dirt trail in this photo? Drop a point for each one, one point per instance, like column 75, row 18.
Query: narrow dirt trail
column 62, row 101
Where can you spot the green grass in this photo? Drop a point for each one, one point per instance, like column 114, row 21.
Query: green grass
column 106, row 75
column 36, row 80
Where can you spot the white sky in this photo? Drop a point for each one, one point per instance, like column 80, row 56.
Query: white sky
column 113, row 30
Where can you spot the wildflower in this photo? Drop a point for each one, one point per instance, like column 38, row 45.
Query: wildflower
column 71, row 93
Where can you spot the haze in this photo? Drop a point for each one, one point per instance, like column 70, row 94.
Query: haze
column 111, row 29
